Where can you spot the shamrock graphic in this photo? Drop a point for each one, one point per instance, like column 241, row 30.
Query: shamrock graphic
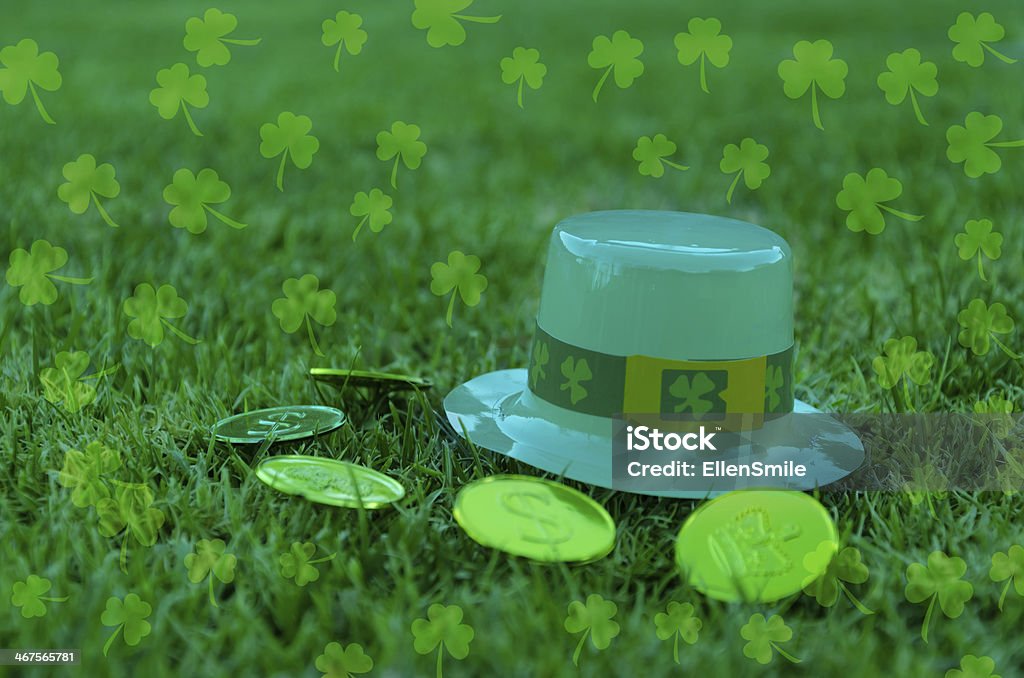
column 864, row 198
column 1008, row 567
column 25, row 69
column 209, row 561
column 296, row 563
column 336, row 662
column 401, row 143
column 704, row 40
column 523, row 66
column 459, row 274
column 442, row 629
column 33, row 271
column 997, row 408
column 150, row 309
column 83, row 471
column 540, row 358
column 190, row 196
column 595, row 619
column 927, row 482
column 441, row 21
column 178, row 90
column 746, row 160
column 972, row 144
column 763, row 636
column 773, row 381
column 129, row 615
column 575, row 372
column 981, row 323
column 619, row 54
column 206, row 37
column 978, row 238
column 289, row 137
column 64, row 384
column 941, row 579
column 972, row 666
column 692, row 393
column 28, row 595
column 344, row 31
column 902, row 359
column 677, row 621
column 813, row 68
column 907, row 74
column 972, row 36
column 304, row 300
column 835, row 568
column 652, row 154
column 374, row 207
column 129, row 511
column 85, row 183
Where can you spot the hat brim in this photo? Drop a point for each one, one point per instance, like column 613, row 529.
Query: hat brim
column 496, row 411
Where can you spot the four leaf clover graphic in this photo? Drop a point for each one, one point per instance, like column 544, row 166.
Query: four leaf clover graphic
column 33, row 271
column 704, row 41
column 209, row 561
column 374, row 207
column 129, row 511
column 83, row 471
column 773, row 381
column 978, row 238
column 902, row 359
column 191, row 195
column 1008, row 566
column 304, row 302
column 85, row 183
column 835, row 568
column 864, row 197
column 971, row 144
column 24, row 70
column 150, row 309
column 64, row 384
column 539, row 358
column 941, row 579
column 297, row 563
column 764, row 636
column 575, row 372
column 344, row 31
column 619, row 54
column 401, row 143
column 691, row 393
column 338, row 662
column 128, row 615
column 677, row 621
column 980, row 323
column 289, row 137
column 652, row 154
column 972, row 36
column 28, row 595
column 595, row 619
column 972, row 666
column 178, row 90
column 907, row 74
column 207, row 37
column 813, row 68
column 458, row 275
column 442, row 629
column 523, row 66
column 746, row 160
column 440, row 18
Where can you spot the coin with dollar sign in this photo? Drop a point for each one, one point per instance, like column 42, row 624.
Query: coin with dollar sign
column 535, row 518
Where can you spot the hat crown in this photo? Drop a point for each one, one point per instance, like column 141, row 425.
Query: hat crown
column 671, row 285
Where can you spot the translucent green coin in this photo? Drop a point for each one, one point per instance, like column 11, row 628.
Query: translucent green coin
column 279, row 423
column 329, row 481
column 535, row 518
column 388, row 380
column 751, row 545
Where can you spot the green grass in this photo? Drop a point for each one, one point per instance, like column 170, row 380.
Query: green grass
column 493, row 183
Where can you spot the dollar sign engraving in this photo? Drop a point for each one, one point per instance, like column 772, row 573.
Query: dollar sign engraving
column 549, row 531
column 277, row 424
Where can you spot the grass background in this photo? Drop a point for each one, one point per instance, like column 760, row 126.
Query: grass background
column 493, row 183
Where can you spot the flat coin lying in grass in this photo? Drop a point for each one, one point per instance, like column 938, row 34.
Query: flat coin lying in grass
column 750, row 544
column 279, row 424
column 362, row 378
column 329, row 481
column 535, row 518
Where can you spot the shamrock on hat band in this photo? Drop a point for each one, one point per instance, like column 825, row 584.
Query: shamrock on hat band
column 734, row 394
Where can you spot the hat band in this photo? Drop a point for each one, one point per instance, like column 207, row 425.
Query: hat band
column 600, row 384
